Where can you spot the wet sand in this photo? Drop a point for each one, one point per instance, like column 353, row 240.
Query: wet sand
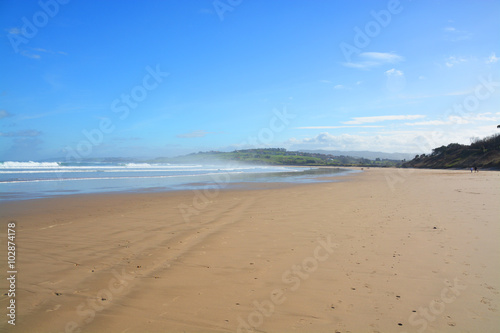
column 381, row 251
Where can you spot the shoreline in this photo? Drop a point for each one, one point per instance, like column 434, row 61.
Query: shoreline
column 360, row 255
column 218, row 180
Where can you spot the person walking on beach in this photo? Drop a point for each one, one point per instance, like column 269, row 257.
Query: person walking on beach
column 475, row 169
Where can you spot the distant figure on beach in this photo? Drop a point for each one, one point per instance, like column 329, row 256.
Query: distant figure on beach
column 475, row 169
column 471, row 169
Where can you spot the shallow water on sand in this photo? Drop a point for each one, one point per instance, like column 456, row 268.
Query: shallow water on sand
column 30, row 180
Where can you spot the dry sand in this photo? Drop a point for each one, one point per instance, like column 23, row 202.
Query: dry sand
column 381, row 251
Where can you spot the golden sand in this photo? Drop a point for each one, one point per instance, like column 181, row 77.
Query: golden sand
column 381, row 251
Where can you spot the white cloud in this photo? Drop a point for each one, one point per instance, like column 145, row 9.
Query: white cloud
column 326, row 139
column 393, row 72
column 360, row 65
column 452, row 61
column 450, row 121
column 487, row 116
column 430, row 134
column 4, row 114
column 375, row 119
column 411, row 141
column 459, row 93
column 39, row 49
column 393, row 142
column 382, row 57
column 455, row 35
column 428, row 123
column 30, row 55
column 458, row 120
column 374, row 59
column 334, row 127
column 25, row 133
column 492, row 58
column 15, row 31
column 339, row 86
column 451, row 93
column 396, row 80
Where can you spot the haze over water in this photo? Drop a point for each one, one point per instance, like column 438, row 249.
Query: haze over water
column 29, row 180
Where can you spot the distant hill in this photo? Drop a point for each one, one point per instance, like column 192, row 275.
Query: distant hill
column 276, row 156
column 263, row 156
column 483, row 153
column 371, row 155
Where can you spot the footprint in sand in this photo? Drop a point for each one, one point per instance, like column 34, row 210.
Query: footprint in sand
column 56, row 307
column 486, row 301
column 490, row 288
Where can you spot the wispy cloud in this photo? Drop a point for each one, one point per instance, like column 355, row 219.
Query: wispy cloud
column 396, row 80
column 39, row 49
column 338, row 86
column 334, row 127
column 30, row 55
column 34, row 53
column 450, row 121
column 382, row 57
column 126, row 139
column 29, row 52
column 373, row 59
column 459, row 120
column 376, row 119
column 25, row 133
column 14, row 31
column 429, row 123
column 452, row 61
column 391, row 142
column 393, row 72
column 62, row 109
column 4, row 114
column 453, row 34
column 194, row 134
column 492, row 58
column 451, row 93
column 459, row 92
column 42, row 50
column 407, row 141
column 360, row 65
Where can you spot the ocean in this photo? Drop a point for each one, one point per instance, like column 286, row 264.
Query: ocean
column 31, row 180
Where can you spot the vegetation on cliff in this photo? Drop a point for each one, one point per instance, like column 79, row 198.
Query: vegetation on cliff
column 481, row 153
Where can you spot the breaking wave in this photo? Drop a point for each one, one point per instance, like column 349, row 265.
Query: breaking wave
column 30, row 164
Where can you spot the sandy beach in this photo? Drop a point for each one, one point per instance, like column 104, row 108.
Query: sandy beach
column 384, row 250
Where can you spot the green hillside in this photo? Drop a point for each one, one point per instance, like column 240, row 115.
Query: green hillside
column 275, row 156
column 484, row 153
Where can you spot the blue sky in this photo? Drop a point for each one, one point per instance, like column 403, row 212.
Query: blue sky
column 162, row 78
